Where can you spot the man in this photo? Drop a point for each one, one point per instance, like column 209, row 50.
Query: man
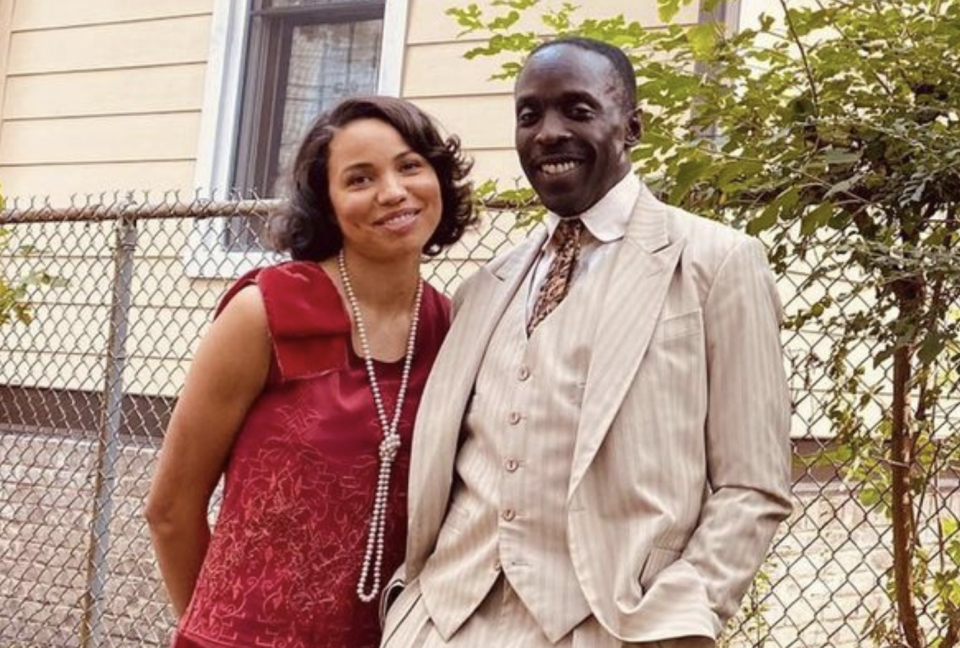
column 601, row 455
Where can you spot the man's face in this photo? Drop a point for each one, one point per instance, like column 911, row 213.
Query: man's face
column 573, row 130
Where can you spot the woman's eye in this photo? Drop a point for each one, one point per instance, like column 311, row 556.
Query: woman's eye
column 409, row 166
column 357, row 180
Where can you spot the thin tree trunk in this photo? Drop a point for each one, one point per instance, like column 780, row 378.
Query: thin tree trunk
column 953, row 633
column 904, row 530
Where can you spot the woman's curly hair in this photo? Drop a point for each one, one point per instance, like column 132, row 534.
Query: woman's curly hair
column 306, row 226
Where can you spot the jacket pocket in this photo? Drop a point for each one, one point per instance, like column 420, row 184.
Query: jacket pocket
column 400, row 609
column 658, row 559
column 679, row 326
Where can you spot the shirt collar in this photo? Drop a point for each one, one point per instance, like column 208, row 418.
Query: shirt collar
column 607, row 219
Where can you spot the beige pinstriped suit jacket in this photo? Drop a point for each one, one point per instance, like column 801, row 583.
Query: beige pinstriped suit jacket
column 681, row 469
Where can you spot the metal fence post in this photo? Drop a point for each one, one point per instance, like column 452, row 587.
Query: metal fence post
column 108, row 446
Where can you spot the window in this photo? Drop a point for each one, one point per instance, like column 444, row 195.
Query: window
column 274, row 65
column 302, row 57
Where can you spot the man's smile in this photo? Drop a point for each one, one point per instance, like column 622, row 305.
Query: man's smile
column 559, row 168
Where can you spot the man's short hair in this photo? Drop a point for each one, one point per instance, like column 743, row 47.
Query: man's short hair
column 623, row 68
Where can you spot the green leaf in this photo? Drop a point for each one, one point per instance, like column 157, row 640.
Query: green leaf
column 815, row 219
column 950, row 527
column 520, row 5
column 869, row 497
column 687, row 175
column 504, row 22
column 933, row 343
column 766, row 220
column 703, row 40
column 841, row 156
column 842, row 187
column 486, row 188
column 667, row 10
column 509, row 70
column 787, row 201
column 469, row 18
column 735, row 170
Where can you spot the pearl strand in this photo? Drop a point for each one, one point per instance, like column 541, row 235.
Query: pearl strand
column 390, row 444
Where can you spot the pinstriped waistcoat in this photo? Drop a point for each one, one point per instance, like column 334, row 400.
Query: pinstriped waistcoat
column 508, row 510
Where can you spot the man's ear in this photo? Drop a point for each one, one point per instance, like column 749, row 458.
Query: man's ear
column 634, row 127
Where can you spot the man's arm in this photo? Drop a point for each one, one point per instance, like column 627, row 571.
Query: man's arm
column 747, row 431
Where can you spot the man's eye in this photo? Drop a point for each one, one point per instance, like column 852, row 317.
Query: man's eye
column 526, row 117
column 581, row 112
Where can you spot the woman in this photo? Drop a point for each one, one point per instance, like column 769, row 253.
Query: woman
column 303, row 394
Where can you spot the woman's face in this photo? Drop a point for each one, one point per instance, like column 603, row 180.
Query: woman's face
column 385, row 195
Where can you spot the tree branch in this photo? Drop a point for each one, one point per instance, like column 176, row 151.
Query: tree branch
column 803, row 55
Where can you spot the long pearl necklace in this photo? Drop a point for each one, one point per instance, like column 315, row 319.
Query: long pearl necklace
column 373, row 556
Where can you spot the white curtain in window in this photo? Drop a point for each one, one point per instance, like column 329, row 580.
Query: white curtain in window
column 328, row 62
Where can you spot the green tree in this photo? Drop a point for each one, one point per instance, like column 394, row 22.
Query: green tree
column 12, row 304
column 835, row 127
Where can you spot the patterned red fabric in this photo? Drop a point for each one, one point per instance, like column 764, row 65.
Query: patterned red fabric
column 283, row 564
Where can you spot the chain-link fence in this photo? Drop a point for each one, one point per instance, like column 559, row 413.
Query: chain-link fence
column 120, row 291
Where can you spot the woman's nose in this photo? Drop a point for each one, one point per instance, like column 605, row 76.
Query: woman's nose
column 392, row 190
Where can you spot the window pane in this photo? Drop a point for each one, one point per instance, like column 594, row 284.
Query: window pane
column 280, row 4
column 303, row 57
column 328, row 62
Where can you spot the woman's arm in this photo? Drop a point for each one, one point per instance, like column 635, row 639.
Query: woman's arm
column 228, row 373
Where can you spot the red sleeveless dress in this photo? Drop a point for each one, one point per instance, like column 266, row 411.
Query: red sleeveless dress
column 283, row 564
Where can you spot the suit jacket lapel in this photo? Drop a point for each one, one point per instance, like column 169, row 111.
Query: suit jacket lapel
column 640, row 277
column 448, row 391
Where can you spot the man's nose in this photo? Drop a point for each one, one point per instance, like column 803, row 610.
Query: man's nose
column 553, row 128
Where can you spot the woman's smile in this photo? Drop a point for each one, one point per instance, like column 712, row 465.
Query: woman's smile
column 400, row 221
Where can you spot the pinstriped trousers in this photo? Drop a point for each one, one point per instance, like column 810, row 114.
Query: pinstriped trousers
column 501, row 621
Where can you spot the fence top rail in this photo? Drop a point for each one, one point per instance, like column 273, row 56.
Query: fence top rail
column 36, row 211
column 131, row 209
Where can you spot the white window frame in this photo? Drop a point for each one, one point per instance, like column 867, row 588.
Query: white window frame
column 205, row 256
